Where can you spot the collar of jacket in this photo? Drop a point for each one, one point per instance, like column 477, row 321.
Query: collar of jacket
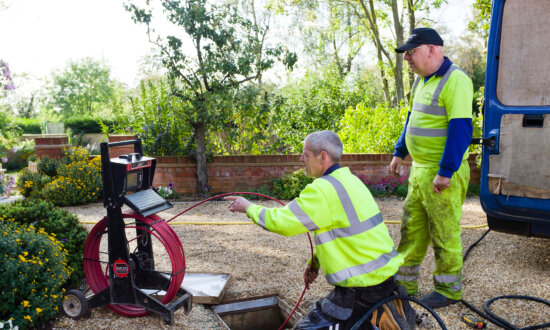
column 332, row 168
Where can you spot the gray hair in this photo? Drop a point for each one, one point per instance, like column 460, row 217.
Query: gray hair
column 325, row 141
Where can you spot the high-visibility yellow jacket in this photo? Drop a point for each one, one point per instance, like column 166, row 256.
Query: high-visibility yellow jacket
column 434, row 104
column 352, row 244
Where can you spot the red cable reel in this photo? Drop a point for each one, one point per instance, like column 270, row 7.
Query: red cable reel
column 169, row 261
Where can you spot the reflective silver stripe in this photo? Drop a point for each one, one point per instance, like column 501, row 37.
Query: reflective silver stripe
column 349, row 231
column 448, row 279
column 344, row 199
column 416, row 81
column 430, row 132
column 409, row 270
column 261, row 220
column 406, row 278
column 431, row 110
column 439, row 88
column 369, row 267
column 457, row 287
column 302, row 216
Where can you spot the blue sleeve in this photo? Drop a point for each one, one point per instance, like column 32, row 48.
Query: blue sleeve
column 459, row 136
column 401, row 146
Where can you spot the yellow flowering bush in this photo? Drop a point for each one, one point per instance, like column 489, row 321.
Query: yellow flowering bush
column 30, row 184
column 76, row 179
column 34, row 268
column 56, row 222
column 78, row 182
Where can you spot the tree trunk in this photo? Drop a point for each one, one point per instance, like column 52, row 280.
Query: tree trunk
column 371, row 18
column 398, row 70
column 202, row 174
column 412, row 23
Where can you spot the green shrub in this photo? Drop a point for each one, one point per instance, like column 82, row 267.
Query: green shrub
column 29, row 125
column 82, row 125
column 387, row 186
column 76, row 183
column 56, row 221
column 401, row 190
column 34, row 269
column 19, row 155
column 473, row 190
column 379, row 128
column 264, row 190
column 48, row 166
column 168, row 192
column 290, row 185
column 30, row 184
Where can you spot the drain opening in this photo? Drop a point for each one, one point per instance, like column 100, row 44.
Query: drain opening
column 265, row 313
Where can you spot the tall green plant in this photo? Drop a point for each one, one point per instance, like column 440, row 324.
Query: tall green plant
column 228, row 53
column 158, row 118
column 318, row 101
column 83, row 87
column 371, row 129
column 253, row 127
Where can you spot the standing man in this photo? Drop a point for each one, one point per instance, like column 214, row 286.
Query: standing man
column 352, row 243
column 437, row 134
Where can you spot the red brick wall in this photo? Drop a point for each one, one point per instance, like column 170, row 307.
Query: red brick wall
column 243, row 173
column 239, row 173
column 122, row 150
column 51, row 145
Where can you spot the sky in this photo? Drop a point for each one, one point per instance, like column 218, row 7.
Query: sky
column 39, row 36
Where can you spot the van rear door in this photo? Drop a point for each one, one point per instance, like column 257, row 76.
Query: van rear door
column 515, row 171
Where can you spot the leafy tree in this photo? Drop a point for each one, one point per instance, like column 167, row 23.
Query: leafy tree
column 468, row 55
column 82, row 88
column 333, row 36
column 315, row 102
column 371, row 129
column 227, row 54
column 482, row 19
column 380, row 22
column 25, row 100
column 254, row 124
column 158, row 117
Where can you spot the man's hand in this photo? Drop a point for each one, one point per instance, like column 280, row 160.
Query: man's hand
column 238, row 204
column 441, row 183
column 310, row 274
column 395, row 165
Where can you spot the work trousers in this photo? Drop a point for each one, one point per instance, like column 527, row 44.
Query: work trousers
column 433, row 218
column 343, row 307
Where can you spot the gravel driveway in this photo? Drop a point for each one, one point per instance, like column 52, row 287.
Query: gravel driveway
column 262, row 263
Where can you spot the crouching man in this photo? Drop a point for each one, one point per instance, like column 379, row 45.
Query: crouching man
column 352, row 243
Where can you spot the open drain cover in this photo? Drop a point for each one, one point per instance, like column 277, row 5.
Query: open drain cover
column 265, row 313
column 206, row 288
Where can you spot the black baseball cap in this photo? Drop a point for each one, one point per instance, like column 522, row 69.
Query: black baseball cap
column 420, row 36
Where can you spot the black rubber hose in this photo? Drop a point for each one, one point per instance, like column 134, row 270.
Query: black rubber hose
column 508, row 324
column 488, row 317
column 492, row 317
column 474, row 244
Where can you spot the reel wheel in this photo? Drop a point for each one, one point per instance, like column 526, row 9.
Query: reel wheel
column 75, row 304
column 168, row 273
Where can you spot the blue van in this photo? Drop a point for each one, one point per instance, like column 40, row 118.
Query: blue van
column 515, row 171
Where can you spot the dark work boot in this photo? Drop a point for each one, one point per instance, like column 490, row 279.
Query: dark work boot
column 437, row 300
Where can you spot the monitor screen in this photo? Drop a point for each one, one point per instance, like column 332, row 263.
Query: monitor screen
column 133, row 180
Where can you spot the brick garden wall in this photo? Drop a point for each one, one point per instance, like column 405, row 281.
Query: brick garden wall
column 240, row 173
column 243, row 173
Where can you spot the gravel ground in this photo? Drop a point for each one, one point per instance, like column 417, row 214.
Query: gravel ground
column 262, row 263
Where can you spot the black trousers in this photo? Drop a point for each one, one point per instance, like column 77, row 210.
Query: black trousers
column 343, row 307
